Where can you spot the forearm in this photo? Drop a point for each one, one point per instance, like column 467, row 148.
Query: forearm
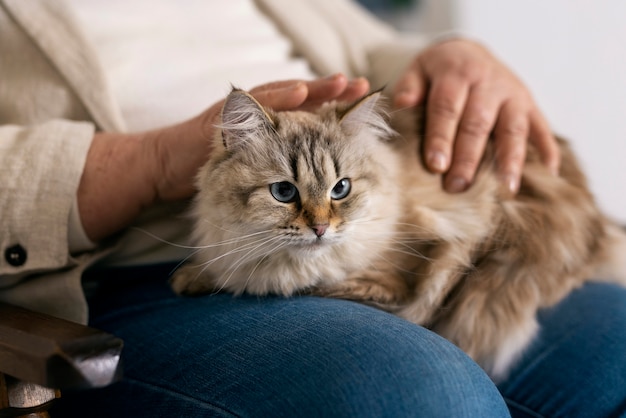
column 114, row 187
column 126, row 173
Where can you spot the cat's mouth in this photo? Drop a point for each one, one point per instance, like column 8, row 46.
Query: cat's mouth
column 313, row 245
column 317, row 243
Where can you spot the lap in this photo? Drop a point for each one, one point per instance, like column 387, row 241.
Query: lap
column 219, row 355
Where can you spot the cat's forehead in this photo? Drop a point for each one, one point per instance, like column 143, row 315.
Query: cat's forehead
column 294, row 119
column 299, row 124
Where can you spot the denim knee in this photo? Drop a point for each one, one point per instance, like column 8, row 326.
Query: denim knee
column 304, row 356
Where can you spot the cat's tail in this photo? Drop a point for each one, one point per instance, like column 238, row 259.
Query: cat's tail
column 612, row 267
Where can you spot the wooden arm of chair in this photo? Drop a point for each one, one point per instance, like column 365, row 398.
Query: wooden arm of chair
column 40, row 354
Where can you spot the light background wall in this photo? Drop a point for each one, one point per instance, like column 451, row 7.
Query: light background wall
column 571, row 54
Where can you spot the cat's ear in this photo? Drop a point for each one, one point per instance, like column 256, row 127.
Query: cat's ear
column 243, row 119
column 367, row 112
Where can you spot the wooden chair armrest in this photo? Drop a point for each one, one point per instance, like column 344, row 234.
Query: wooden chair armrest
column 56, row 353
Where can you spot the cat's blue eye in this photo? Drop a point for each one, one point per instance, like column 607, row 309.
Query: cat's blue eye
column 284, row 191
column 341, row 189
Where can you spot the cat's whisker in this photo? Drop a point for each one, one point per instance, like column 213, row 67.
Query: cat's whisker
column 373, row 220
column 206, row 264
column 416, row 227
column 272, row 251
column 199, row 248
column 239, row 248
column 235, row 240
column 410, row 251
column 246, row 258
column 221, row 228
column 403, row 239
column 183, row 261
column 164, row 241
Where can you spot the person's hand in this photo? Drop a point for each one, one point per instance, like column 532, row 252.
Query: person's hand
column 125, row 173
column 471, row 97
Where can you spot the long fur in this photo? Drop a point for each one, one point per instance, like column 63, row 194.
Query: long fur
column 475, row 267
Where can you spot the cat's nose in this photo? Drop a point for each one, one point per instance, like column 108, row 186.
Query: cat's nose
column 319, row 229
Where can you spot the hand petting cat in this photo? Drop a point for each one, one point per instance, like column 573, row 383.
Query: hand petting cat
column 125, row 173
column 471, row 96
column 178, row 165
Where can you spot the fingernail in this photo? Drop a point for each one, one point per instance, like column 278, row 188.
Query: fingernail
column 333, row 76
column 292, row 87
column 437, row 161
column 357, row 80
column 456, row 185
column 511, row 182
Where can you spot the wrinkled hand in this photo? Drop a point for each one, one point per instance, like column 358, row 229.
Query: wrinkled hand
column 128, row 172
column 470, row 96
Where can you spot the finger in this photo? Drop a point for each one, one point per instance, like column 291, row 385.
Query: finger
column 290, row 94
column 355, row 89
column 316, row 85
column 328, row 88
column 446, row 100
column 342, row 90
column 474, row 129
column 283, row 98
column 541, row 136
column 276, row 85
column 511, row 138
column 298, row 94
column 410, row 89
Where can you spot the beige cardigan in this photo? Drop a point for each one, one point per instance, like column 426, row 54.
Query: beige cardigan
column 53, row 96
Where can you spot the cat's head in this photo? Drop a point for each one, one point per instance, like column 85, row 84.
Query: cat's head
column 296, row 182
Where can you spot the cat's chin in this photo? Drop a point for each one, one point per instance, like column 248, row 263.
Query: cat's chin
column 312, row 248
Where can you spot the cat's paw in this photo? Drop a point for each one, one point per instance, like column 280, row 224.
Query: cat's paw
column 190, row 280
column 387, row 295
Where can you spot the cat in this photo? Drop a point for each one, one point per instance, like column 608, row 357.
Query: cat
column 338, row 203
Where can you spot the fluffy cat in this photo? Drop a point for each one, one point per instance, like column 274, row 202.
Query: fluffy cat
column 338, row 203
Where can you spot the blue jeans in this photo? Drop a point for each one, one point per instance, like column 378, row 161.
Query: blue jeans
column 577, row 366
column 304, row 356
